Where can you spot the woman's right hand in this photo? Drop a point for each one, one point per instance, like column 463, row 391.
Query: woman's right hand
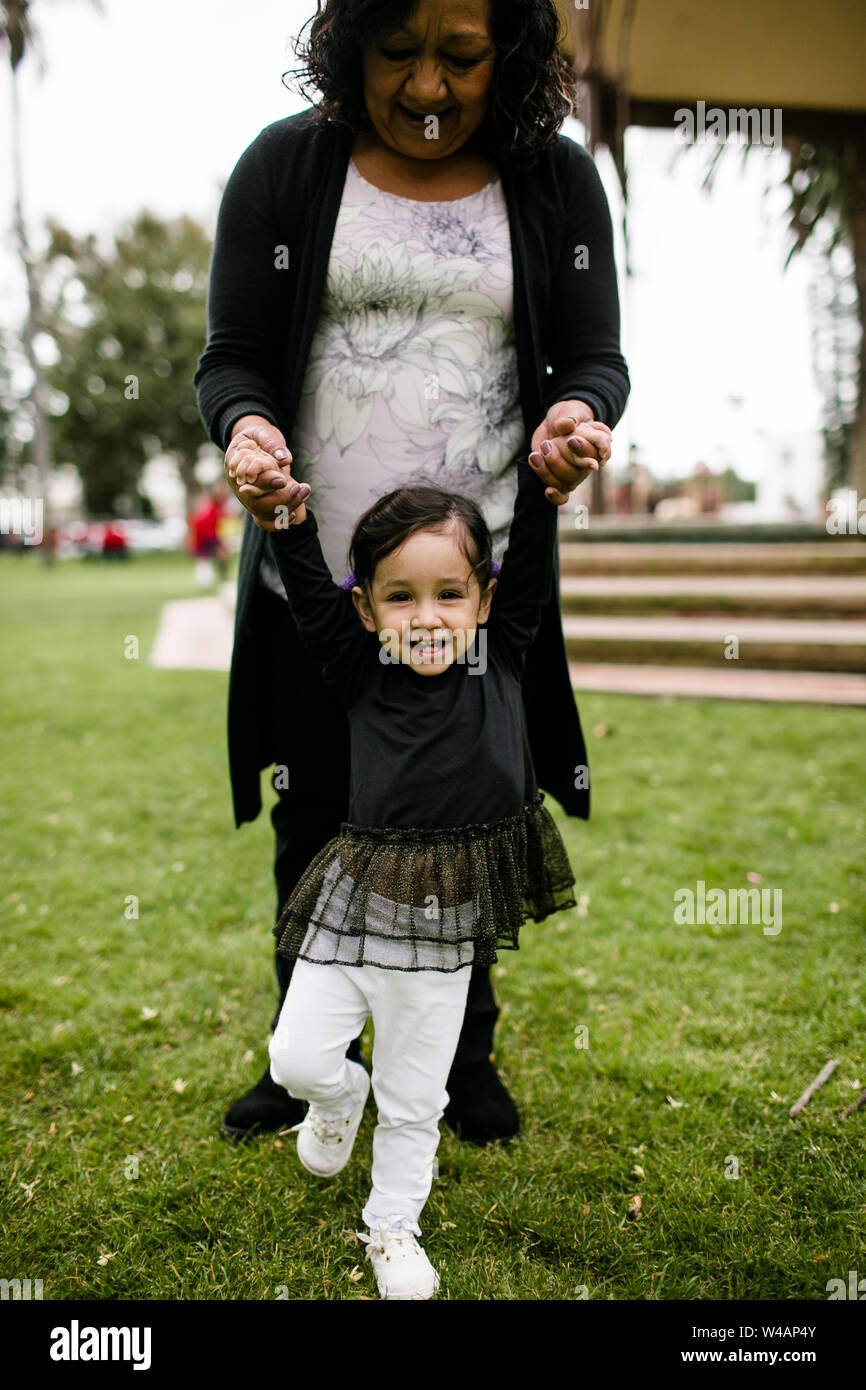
column 272, row 489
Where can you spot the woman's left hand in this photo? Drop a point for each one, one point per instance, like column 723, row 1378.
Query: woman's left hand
column 567, row 446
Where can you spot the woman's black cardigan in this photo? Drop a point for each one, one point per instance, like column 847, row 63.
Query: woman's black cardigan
column 273, row 239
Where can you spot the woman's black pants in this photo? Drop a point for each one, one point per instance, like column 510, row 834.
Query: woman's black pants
column 310, row 738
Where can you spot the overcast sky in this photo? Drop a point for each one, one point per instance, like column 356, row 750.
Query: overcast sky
column 151, row 102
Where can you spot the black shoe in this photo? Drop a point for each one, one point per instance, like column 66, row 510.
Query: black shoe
column 480, row 1110
column 269, row 1107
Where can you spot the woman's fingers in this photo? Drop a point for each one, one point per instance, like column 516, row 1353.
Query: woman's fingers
column 558, row 499
column 590, row 440
column 260, row 436
column 582, row 454
column 260, row 473
column 560, row 481
column 260, row 443
column 266, row 509
column 250, row 464
column 562, row 457
column 564, row 473
column 264, row 483
column 567, row 447
column 290, row 494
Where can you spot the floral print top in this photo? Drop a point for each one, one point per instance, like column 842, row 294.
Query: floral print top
column 412, row 371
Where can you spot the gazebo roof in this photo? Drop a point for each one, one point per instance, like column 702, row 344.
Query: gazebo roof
column 641, row 60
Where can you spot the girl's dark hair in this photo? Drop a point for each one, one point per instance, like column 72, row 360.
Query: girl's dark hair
column 533, row 88
column 425, row 507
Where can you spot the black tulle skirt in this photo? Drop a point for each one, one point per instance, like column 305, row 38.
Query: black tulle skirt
column 427, row 899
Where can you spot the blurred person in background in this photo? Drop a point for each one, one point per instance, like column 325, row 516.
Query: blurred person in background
column 205, row 540
column 114, row 542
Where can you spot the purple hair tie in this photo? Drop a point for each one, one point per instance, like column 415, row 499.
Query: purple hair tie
column 350, row 581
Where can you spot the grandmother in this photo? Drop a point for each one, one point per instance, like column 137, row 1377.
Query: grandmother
column 414, row 278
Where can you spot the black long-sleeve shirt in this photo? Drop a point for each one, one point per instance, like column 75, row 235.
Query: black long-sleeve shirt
column 431, row 751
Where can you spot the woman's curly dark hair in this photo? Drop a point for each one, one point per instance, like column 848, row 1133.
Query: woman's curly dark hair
column 532, row 91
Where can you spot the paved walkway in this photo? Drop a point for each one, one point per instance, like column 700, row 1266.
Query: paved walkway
column 195, row 634
column 717, row 683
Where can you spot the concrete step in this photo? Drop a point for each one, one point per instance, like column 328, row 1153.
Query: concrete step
column 617, row 526
column 767, row 595
column 774, row 644
column 837, row 555
column 730, row 683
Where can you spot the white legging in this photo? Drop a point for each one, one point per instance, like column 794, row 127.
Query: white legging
column 417, row 1017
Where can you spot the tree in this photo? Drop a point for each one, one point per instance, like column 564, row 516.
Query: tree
column 10, row 447
column 17, row 32
column 827, row 182
column 129, row 325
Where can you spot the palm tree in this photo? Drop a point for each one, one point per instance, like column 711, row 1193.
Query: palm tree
column 19, row 35
column 827, row 183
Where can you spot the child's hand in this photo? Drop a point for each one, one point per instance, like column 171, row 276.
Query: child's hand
column 564, row 454
column 255, row 471
column 257, row 475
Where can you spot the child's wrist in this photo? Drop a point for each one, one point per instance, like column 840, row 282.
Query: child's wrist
column 284, row 519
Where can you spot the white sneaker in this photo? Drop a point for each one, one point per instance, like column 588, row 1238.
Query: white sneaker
column 325, row 1141
column 402, row 1269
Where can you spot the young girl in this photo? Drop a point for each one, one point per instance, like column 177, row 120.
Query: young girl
column 448, row 846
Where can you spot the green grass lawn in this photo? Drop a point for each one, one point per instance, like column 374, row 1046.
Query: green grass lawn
column 124, row 1038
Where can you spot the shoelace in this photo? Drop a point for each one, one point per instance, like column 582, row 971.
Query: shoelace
column 325, row 1130
column 402, row 1238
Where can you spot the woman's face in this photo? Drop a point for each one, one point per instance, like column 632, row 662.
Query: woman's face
column 426, row 85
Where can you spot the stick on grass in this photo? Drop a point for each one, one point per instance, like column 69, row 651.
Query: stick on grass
column 855, row 1105
column 823, row 1075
